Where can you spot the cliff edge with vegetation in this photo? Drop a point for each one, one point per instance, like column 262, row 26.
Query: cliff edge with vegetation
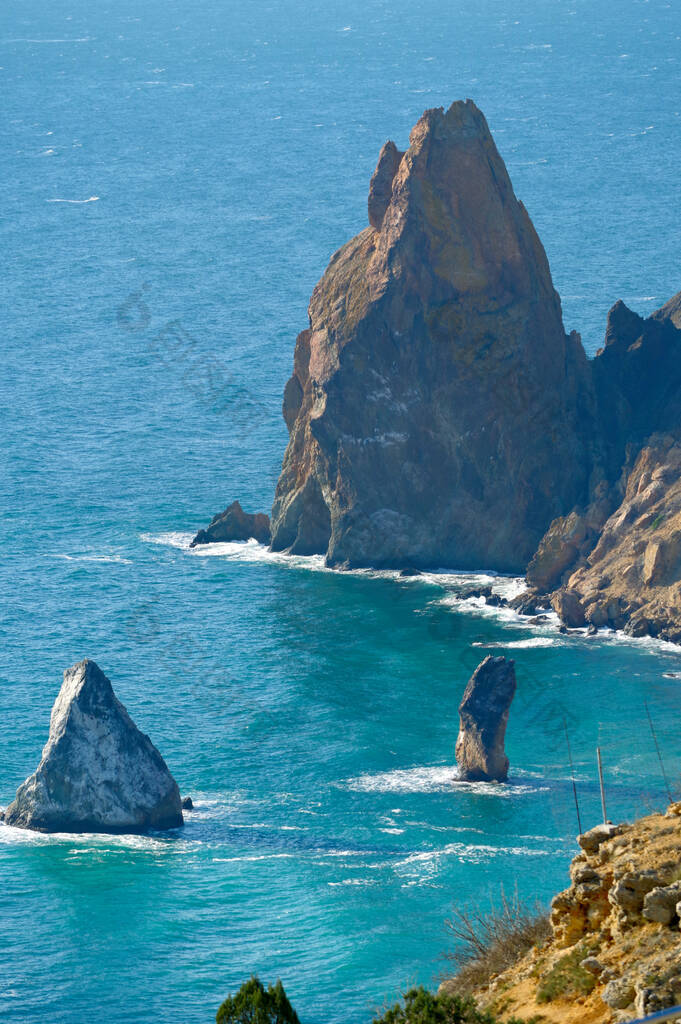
column 613, row 950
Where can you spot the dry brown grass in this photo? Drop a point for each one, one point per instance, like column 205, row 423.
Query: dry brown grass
column 488, row 943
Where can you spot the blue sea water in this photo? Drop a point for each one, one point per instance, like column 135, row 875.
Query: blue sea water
column 174, row 179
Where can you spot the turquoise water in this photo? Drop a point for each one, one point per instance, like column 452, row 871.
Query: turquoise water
column 146, row 337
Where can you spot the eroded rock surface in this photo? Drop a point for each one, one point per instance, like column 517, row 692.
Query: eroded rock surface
column 483, row 713
column 438, row 413
column 235, row 524
column 631, row 579
column 98, row 772
column 619, row 560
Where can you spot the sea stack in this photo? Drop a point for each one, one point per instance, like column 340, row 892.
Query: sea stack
column 438, row 413
column 98, row 772
column 483, row 713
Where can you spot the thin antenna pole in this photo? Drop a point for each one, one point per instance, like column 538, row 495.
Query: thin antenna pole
column 659, row 755
column 600, row 776
column 572, row 774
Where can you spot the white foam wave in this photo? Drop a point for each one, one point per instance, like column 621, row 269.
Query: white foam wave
column 81, row 39
column 170, row 539
column 534, row 641
column 430, row 779
column 478, row 606
column 253, row 857
column 94, row 558
column 85, row 842
column 77, row 202
column 252, row 551
column 363, row 882
column 468, row 852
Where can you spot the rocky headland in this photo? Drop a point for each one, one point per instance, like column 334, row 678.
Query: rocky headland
column 98, row 772
column 613, row 953
column 435, row 393
column 440, row 415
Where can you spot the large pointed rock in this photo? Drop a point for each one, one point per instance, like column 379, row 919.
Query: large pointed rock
column 438, row 413
column 483, row 713
column 98, row 772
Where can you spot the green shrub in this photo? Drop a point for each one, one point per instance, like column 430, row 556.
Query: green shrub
column 254, row 1004
column 420, row 1006
column 566, row 979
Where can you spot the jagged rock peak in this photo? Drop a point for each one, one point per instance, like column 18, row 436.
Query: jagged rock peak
column 98, row 772
column 432, row 410
column 483, row 713
column 380, row 187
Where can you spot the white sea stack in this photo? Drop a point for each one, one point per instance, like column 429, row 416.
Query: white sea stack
column 98, row 772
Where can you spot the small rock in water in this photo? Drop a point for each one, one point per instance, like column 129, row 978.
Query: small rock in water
column 234, row 524
column 467, row 593
column 98, row 772
column 187, row 804
column 483, row 715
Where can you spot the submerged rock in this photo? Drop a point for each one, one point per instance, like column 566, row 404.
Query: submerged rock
column 235, row 524
column 98, row 772
column 483, row 713
column 438, row 413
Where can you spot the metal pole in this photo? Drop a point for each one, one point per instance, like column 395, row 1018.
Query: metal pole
column 572, row 773
column 659, row 755
column 600, row 776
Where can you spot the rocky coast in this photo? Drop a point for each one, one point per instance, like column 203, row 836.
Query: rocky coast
column 439, row 413
column 613, row 950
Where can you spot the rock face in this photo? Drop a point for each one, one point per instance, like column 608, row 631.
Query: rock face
column 617, row 561
column 631, row 578
column 235, row 524
column 483, row 713
column 438, row 413
column 98, row 772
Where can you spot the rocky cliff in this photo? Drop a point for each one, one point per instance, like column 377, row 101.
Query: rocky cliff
column 438, row 413
column 617, row 561
column 614, row 952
